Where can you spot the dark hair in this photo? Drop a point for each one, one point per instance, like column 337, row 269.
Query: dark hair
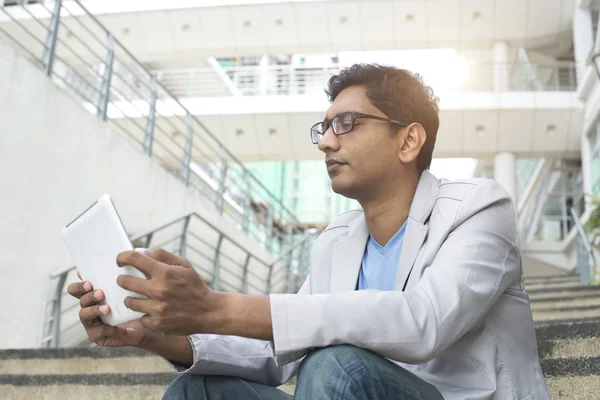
column 399, row 94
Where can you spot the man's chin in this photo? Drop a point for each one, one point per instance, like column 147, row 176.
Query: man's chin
column 341, row 188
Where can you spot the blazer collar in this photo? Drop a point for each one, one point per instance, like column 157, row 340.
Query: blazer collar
column 349, row 250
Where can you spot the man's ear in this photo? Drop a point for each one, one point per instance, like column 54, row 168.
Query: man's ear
column 412, row 140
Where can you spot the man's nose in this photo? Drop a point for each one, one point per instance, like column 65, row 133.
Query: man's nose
column 329, row 141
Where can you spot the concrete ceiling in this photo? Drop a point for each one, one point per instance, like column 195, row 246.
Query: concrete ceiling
column 179, row 37
column 471, row 133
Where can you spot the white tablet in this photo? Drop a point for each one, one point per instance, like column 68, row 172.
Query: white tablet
column 94, row 239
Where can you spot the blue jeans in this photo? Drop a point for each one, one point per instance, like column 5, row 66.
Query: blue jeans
column 333, row 373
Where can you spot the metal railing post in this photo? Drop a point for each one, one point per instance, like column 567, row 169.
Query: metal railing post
column 269, row 277
column 187, row 157
column 149, row 240
column 247, row 204
column 183, row 241
column 51, row 37
column 216, row 283
column 586, row 260
column 288, row 267
column 301, row 263
column 149, row 138
column 223, row 176
column 106, row 79
column 269, row 236
column 55, row 341
column 245, row 274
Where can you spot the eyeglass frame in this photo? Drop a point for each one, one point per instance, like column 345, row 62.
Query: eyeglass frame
column 354, row 115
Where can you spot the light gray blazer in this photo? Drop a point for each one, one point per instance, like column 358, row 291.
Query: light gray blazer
column 459, row 317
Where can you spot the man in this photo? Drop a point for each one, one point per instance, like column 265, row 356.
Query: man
column 419, row 296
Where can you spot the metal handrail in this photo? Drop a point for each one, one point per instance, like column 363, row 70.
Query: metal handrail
column 585, row 253
column 52, row 325
column 261, row 80
column 115, row 92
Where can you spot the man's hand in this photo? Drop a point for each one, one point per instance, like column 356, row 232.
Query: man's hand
column 178, row 301
column 128, row 334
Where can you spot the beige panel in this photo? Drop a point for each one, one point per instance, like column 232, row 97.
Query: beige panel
column 246, row 143
column 510, row 19
column 248, row 26
column 450, row 138
column 186, row 29
column 483, row 142
column 575, row 129
column 312, row 24
column 545, row 140
column 273, row 135
column 443, row 20
column 345, row 24
column 515, row 132
column 280, row 25
column 544, row 17
column 216, row 28
column 477, row 16
column 378, row 22
column 410, row 21
column 156, row 33
column 299, row 128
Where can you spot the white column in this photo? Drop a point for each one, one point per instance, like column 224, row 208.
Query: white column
column 263, row 75
column 505, row 173
column 583, row 39
column 586, row 166
column 501, row 60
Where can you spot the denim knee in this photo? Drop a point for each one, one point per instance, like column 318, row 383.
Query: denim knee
column 331, row 361
column 186, row 386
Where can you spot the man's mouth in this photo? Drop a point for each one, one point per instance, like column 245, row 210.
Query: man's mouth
column 333, row 165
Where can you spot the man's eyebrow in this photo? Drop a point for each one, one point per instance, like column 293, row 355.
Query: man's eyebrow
column 341, row 112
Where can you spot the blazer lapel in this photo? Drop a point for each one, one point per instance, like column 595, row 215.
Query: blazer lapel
column 347, row 257
column 416, row 227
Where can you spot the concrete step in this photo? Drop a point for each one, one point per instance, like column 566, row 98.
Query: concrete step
column 568, row 330
column 565, row 302
column 559, row 316
column 86, row 372
column 551, row 278
column 566, row 309
column 564, row 297
column 571, row 366
column 529, row 287
column 78, row 392
column 565, row 290
column 577, row 348
column 574, row 387
column 81, row 360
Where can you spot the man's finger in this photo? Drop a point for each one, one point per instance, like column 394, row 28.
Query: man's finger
column 78, row 289
column 138, row 260
column 88, row 314
column 139, row 305
column 92, row 298
column 165, row 257
column 137, row 285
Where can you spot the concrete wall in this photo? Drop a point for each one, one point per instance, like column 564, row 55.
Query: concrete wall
column 55, row 160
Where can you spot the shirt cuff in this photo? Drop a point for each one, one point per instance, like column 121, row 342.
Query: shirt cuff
column 199, row 356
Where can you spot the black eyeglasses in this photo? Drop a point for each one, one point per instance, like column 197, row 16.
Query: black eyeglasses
column 343, row 123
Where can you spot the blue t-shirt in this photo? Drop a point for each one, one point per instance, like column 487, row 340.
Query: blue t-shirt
column 380, row 263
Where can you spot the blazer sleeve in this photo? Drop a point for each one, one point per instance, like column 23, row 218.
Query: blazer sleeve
column 478, row 261
column 249, row 359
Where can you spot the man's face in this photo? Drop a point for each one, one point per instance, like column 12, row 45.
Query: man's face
column 367, row 157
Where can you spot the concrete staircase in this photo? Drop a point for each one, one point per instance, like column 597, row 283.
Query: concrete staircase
column 567, row 327
column 567, row 318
